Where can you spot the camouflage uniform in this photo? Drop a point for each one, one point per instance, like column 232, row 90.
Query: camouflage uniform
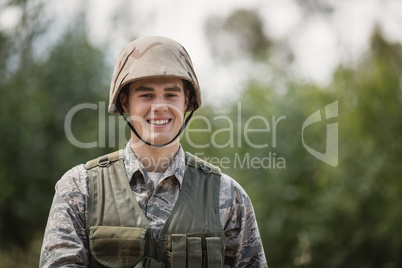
column 65, row 241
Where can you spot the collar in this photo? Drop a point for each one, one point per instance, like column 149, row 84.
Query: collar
column 132, row 165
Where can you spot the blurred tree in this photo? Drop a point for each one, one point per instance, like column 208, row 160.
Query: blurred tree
column 311, row 214
column 37, row 93
column 240, row 34
column 364, row 219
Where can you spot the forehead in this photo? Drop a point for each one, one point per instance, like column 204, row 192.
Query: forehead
column 157, row 82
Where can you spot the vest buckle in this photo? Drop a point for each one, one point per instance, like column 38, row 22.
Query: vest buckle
column 206, row 168
column 104, row 161
column 151, row 263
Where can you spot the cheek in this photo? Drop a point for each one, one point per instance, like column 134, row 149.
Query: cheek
column 137, row 108
column 182, row 105
column 178, row 109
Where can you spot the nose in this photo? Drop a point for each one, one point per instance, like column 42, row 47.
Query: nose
column 159, row 106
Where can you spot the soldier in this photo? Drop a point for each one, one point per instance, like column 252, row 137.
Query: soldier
column 151, row 204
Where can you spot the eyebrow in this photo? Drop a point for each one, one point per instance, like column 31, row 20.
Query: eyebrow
column 173, row 88
column 148, row 89
column 143, row 88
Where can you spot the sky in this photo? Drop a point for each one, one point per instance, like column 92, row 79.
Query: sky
column 319, row 42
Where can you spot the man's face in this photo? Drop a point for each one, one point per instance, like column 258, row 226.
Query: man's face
column 156, row 107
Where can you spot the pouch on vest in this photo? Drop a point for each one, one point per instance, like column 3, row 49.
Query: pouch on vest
column 195, row 252
column 117, row 247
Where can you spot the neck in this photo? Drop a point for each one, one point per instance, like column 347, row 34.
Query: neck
column 155, row 159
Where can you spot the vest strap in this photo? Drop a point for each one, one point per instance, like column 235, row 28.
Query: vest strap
column 214, row 257
column 194, row 249
column 179, row 250
column 104, row 161
column 197, row 162
column 151, row 263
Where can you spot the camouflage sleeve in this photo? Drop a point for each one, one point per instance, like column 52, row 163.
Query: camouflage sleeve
column 243, row 241
column 65, row 242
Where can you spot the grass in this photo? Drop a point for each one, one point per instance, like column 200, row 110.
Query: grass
column 17, row 257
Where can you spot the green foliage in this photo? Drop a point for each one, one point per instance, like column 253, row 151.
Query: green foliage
column 311, row 214
column 36, row 96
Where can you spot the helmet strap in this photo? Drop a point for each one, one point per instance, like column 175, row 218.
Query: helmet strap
column 183, row 126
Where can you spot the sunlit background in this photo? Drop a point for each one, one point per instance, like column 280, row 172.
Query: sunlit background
column 264, row 58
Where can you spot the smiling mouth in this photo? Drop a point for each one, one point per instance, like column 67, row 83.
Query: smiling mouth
column 159, row 122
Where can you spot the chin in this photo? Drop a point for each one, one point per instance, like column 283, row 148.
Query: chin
column 160, row 140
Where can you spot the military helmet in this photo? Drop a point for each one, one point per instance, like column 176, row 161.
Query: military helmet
column 153, row 56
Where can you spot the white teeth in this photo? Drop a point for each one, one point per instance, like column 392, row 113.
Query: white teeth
column 158, row 122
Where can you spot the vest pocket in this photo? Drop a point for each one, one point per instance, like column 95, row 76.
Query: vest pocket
column 117, row 247
column 194, row 252
column 214, row 255
column 194, row 248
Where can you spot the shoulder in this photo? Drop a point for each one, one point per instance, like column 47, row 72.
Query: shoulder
column 74, row 181
column 104, row 160
column 234, row 203
column 231, row 189
column 195, row 161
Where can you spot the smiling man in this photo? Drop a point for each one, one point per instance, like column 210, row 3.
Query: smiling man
column 156, row 107
column 151, row 204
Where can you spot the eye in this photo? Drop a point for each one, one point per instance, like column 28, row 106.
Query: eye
column 170, row 95
column 145, row 96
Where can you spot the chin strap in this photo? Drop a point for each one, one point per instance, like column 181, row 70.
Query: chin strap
column 183, row 126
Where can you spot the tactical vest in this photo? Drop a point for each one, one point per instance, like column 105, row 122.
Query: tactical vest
column 120, row 235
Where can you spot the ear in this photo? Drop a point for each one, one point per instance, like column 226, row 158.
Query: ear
column 186, row 94
column 187, row 101
column 124, row 102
